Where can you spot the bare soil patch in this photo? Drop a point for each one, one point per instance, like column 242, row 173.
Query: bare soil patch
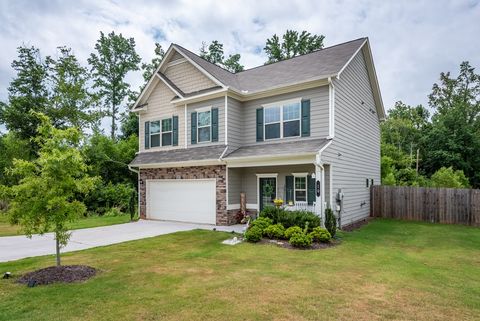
column 58, row 274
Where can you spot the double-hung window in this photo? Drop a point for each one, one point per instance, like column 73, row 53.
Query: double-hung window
column 204, row 125
column 167, row 132
column 155, row 133
column 282, row 120
column 300, row 190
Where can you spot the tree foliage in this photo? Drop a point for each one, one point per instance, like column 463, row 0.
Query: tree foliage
column 214, row 53
column 292, row 44
column 46, row 197
column 149, row 68
column 448, row 177
column 114, row 58
column 27, row 92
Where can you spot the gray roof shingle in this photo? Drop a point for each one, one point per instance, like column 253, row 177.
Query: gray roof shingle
column 179, row 155
column 315, row 65
column 284, row 148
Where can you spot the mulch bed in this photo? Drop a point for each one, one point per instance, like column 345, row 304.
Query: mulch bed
column 285, row 244
column 56, row 274
column 356, row 225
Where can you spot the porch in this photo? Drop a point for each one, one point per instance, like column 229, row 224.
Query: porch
column 296, row 185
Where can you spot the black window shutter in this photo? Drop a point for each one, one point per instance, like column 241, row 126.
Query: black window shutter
column 310, row 190
column 259, row 124
column 305, row 118
column 175, row 130
column 289, row 181
column 147, row 135
column 214, row 124
column 194, row 128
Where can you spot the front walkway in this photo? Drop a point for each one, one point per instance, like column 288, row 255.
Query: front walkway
column 19, row 247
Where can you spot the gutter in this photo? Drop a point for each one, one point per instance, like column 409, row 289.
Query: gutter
column 220, row 159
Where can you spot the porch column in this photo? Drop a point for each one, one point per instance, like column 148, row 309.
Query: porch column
column 320, row 182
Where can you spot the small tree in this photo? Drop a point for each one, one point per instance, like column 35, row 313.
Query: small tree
column 447, row 177
column 330, row 222
column 46, row 197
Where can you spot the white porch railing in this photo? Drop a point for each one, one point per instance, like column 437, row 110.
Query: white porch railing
column 300, row 206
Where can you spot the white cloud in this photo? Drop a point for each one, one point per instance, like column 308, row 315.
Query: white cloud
column 412, row 41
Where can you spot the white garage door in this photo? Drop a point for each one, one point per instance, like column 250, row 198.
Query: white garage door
column 182, row 200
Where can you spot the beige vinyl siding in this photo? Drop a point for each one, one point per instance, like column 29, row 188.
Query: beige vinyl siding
column 188, row 78
column 355, row 150
column 176, row 56
column 159, row 107
column 235, row 123
column 318, row 113
column 248, row 179
column 214, row 103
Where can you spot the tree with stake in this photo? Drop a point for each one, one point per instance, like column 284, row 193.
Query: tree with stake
column 46, row 197
column 115, row 56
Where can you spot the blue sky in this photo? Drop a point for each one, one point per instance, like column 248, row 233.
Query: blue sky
column 412, row 41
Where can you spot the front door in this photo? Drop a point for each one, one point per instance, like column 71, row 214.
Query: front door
column 268, row 191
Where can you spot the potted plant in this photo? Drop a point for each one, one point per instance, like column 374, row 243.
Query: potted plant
column 278, row 202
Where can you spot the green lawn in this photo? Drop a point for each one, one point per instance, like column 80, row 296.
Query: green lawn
column 386, row 270
column 93, row 221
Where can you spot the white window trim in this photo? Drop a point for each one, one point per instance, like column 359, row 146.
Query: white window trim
column 281, row 104
column 202, row 110
column 159, row 133
column 300, row 175
column 170, row 131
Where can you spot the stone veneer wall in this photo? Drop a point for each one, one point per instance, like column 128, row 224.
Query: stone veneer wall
column 194, row 172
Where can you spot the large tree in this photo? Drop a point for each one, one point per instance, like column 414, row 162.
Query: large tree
column 27, row 92
column 454, row 137
column 72, row 103
column 149, row 68
column 214, row 53
column 114, row 58
column 46, row 197
column 292, row 44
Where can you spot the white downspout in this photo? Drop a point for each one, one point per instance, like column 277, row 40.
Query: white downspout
column 138, row 186
column 320, row 173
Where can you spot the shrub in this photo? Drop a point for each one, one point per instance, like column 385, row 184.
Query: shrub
column 330, row 222
column 114, row 211
column 320, row 234
column 292, row 230
column 276, row 231
column 253, row 234
column 262, row 223
column 298, row 218
column 301, row 240
column 270, row 212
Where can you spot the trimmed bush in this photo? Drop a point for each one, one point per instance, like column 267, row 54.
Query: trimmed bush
column 301, row 240
column 253, row 234
column 320, row 234
column 276, row 231
column 292, row 230
column 291, row 218
column 330, row 222
column 262, row 223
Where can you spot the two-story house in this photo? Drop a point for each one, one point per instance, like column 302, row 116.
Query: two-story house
column 305, row 130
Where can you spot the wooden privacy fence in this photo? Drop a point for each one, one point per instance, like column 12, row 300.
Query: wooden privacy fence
column 436, row 205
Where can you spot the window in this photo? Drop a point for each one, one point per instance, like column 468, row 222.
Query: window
column 167, row 132
column 155, row 133
column 272, row 122
column 204, row 124
column 282, row 120
column 300, row 188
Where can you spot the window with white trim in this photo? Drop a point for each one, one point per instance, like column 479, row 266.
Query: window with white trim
column 204, row 125
column 300, row 189
column 155, row 133
column 282, row 120
column 167, row 133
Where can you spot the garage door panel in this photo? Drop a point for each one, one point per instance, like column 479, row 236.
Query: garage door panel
column 182, row 200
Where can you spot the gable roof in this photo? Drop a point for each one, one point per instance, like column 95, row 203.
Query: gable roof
column 321, row 64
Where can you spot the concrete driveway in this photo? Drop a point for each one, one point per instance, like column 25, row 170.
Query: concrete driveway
column 19, row 247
